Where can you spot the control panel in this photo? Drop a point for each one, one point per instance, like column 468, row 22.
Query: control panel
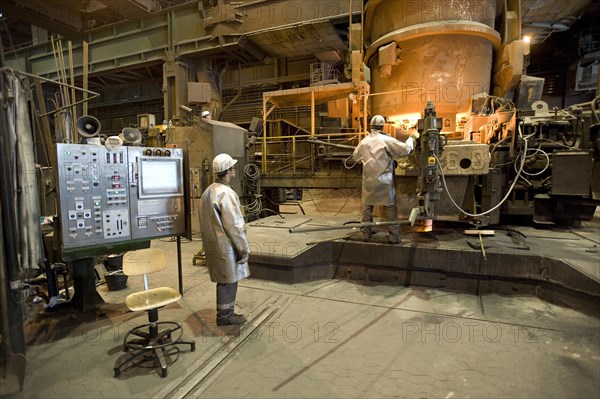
column 157, row 201
column 126, row 193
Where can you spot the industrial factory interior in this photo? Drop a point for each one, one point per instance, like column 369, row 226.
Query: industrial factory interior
column 123, row 119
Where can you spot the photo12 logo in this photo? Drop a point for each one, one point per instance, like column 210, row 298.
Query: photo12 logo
column 291, row 332
column 470, row 331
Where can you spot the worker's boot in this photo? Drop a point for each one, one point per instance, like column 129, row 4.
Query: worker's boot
column 232, row 319
column 392, row 215
column 225, row 303
column 367, row 217
column 366, row 234
column 394, row 237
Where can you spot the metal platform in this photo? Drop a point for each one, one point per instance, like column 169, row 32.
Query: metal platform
column 557, row 265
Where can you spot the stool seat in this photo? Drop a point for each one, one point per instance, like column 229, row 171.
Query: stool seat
column 155, row 342
column 153, row 298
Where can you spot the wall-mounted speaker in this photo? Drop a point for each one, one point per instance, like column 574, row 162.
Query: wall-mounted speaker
column 88, row 126
column 130, row 135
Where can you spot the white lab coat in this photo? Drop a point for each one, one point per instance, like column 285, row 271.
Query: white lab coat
column 223, row 234
column 377, row 152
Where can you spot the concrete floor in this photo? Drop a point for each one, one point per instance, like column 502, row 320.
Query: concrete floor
column 324, row 339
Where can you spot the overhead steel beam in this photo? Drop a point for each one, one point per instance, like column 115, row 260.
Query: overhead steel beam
column 183, row 29
column 132, row 8
column 119, row 47
column 61, row 20
column 148, row 5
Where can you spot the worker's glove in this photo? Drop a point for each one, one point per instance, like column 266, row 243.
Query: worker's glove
column 243, row 257
column 410, row 145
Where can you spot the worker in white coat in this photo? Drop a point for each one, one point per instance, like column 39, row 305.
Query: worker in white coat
column 377, row 152
column 224, row 239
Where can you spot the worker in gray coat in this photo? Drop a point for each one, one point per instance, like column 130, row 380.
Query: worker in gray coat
column 224, row 239
column 377, row 152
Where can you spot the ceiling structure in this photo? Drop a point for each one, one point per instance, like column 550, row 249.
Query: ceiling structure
column 26, row 22
column 21, row 21
column 296, row 41
column 541, row 18
column 68, row 18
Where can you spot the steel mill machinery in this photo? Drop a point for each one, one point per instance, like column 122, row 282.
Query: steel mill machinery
column 453, row 75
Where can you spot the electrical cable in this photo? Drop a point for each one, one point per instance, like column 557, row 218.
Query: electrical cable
column 503, row 199
column 495, row 147
column 338, row 212
column 559, row 144
column 343, row 206
column 351, row 192
column 537, row 173
column 313, row 201
column 252, row 184
column 346, row 160
column 271, row 210
column 495, row 103
column 275, row 203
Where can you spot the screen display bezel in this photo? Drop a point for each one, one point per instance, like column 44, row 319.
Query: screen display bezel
column 144, row 193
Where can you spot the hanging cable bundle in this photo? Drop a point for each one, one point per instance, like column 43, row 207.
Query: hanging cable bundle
column 251, row 183
column 521, row 156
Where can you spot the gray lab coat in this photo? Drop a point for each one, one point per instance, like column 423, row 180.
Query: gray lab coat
column 376, row 152
column 223, row 235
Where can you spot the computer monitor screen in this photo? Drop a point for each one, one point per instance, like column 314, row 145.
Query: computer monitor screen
column 160, row 177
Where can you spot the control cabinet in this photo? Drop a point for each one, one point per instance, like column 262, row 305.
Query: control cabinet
column 128, row 193
column 156, row 186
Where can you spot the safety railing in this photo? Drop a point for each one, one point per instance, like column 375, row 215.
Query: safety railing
column 298, row 154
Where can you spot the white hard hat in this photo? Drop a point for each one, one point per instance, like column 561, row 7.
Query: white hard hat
column 377, row 121
column 222, row 162
column 205, row 113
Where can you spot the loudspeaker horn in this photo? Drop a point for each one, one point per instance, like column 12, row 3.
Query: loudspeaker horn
column 88, row 126
column 131, row 136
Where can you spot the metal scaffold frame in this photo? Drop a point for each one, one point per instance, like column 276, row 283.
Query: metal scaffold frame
column 307, row 96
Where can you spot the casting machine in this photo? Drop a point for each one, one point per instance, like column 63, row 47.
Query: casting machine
column 451, row 74
column 488, row 147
